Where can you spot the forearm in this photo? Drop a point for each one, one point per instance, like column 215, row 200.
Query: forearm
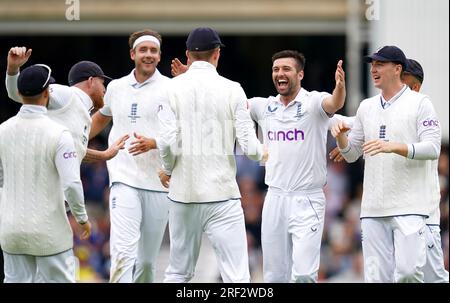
column 99, row 122
column 93, row 155
column 348, row 151
column 338, row 97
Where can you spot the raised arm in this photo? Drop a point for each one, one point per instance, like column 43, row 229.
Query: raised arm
column 336, row 101
column 17, row 56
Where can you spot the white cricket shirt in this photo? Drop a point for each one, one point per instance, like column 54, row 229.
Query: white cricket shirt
column 296, row 137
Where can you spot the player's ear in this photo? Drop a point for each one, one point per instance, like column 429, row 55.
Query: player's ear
column 132, row 54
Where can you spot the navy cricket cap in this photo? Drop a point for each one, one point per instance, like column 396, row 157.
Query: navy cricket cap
column 388, row 54
column 83, row 70
column 34, row 79
column 203, row 39
column 414, row 68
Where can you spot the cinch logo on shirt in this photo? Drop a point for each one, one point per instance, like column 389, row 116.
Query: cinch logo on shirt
column 70, row 155
column 291, row 135
column 430, row 122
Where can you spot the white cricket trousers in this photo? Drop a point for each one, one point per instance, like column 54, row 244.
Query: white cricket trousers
column 393, row 249
column 434, row 269
column 223, row 223
column 59, row 268
column 138, row 221
column 292, row 226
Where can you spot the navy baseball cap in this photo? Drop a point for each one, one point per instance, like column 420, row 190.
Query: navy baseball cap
column 203, row 39
column 83, row 70
column 388, row 54
column 414, row 68
column 34, row 79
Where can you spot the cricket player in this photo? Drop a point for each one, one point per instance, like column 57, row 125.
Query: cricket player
column 70, row 106
column 397, row 131
column 434, row 269
column 295, row 125
column 137, row 202
column 40, row 163
column 205, row 113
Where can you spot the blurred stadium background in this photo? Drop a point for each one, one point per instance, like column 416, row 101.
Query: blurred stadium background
column 325, row 31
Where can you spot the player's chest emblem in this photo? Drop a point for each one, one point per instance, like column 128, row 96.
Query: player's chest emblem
column 299, row 112
column 382, row 133
column 134, row 113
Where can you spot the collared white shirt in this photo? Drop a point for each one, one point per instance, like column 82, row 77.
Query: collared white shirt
column 296, row 137
column 386, row 103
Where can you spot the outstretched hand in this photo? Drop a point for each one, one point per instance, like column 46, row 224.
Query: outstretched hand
column 141, row 145
column 17, row 56
column 339, row 128
column 335, row 155
column 340, row 75
column 177, row 68
column 113, row 150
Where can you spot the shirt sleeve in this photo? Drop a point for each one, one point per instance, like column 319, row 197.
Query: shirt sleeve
column 318, row 98
column 245, row 129
column 428, row 132
column 167, row 137
column 59, row 94
column 11, row 87
column 1, row 175
column 356, row 138
column 69, row 172
column 256, row 107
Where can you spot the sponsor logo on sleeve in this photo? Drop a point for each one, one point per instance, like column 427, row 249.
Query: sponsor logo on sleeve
column 69, row 155
column 430, row 123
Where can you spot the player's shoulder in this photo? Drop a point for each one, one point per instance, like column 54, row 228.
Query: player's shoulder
column 370, row 102
column 229, row 83
column 118, row 82
column 419, row 97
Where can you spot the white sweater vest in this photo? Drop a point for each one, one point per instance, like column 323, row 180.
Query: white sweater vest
column 204, row 103
column 76, row 118
column 32, row 213
column 394, row 185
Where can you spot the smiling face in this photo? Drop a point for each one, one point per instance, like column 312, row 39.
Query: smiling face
column 287, row 77
column 146, row 56
column 384, row 73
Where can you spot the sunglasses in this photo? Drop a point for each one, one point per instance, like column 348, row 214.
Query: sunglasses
column 49, row 73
